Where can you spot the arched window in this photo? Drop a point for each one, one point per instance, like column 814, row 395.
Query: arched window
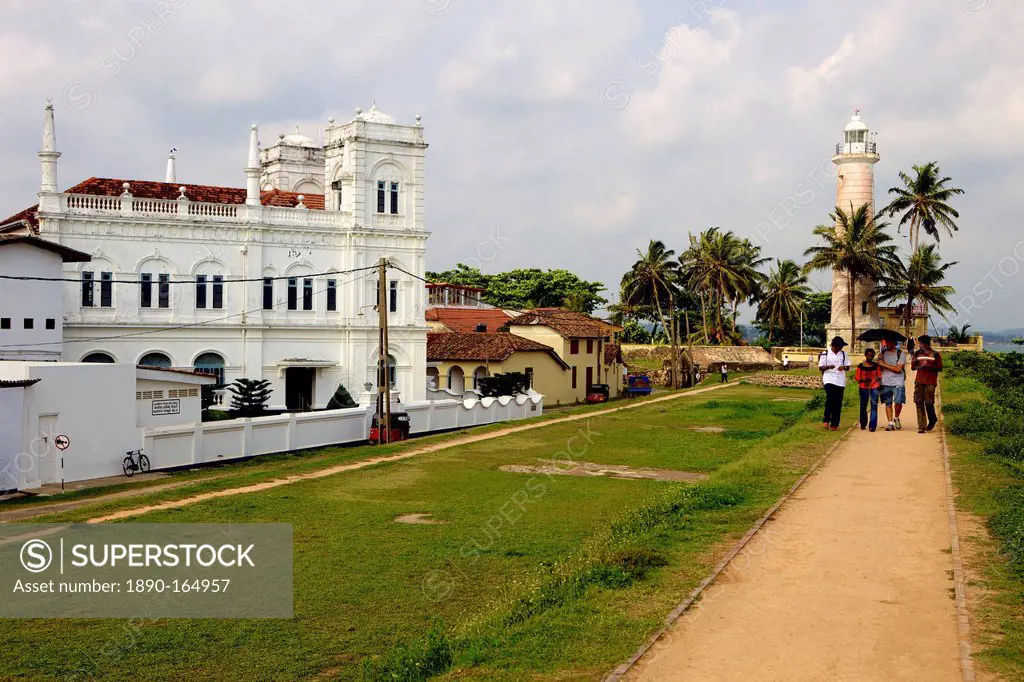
column 478, row 374
column 433, row 378
column 392, row 371
column 212, row 364
column 456, row 380
column 160, row 360
column 98, row 357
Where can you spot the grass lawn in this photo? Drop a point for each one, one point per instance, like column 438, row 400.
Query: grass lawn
column 528, row 576
column 991, row 489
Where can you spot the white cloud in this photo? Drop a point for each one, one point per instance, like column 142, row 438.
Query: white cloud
column 807, row 84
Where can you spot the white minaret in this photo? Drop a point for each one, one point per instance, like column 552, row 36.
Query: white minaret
column 48, row 154
column 252, row 171
column 855, row 158
column 171, row 175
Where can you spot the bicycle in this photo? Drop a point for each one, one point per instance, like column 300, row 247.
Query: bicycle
column 135, row 461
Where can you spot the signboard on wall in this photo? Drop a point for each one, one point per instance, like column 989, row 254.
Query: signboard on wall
column 165, row 407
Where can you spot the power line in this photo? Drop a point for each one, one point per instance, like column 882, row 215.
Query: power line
column 180, row 326
column 29, row 278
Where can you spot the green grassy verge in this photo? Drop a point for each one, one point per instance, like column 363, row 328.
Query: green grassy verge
column 986, row 432
column 535, row 576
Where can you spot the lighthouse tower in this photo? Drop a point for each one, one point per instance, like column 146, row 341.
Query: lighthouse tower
column 855, row 158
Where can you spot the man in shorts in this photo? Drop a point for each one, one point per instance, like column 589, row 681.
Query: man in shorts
column 894, row 383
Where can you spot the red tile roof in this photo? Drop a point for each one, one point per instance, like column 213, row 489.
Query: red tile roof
column 466, row 319
column 451, row 346
column 144, row 189
column 18, row 383
column 65, row 252
column 566, row 323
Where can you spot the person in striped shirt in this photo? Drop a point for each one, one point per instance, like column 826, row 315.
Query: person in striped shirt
column 869, row 380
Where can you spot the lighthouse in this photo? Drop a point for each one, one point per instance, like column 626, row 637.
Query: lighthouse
column 855, row 159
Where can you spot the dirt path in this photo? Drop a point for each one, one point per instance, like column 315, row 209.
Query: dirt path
column 30, row 511
column 851, row 579
column 362, row 464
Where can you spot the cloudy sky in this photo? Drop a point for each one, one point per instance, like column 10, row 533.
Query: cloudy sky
column 568, row 133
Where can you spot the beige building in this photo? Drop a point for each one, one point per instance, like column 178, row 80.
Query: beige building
column 587, row 345
column 458, row 361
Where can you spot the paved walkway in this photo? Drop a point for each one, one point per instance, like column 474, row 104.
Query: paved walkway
column 851, row 580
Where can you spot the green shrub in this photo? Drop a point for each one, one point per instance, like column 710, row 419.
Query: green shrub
column 413, row 662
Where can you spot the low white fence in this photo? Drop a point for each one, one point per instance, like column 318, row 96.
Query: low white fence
column 191, row 444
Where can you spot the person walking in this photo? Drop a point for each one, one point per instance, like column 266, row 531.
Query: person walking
column 869, row 381
column 725, row 373
column 928, row 363
column 894, row 383
column 833, row 364
column 785, row 362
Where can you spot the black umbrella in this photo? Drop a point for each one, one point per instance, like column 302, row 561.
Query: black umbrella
column 881, row 335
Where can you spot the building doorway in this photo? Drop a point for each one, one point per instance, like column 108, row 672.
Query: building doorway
column 298, row 388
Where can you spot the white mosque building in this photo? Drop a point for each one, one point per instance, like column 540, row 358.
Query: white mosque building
column 272, row 280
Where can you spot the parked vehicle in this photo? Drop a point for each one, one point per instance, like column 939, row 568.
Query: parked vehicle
column 639, row 384
column 598, row 393
column 399, row 428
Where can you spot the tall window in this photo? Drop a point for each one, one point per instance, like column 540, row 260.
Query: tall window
column 293, row 293
column 394, row 198
column 200, row 291
column 307, row 294
column 332, row 295
column 87, row 289
column 146, row 290
column 393, row 296
column 574, row 377
column 336, row 186
column 574, row 346
column 381, row 196
column 163, row 290
column 268, row 293
column 106, row 289
column 218, row 292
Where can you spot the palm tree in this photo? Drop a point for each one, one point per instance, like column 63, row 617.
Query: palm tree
column 723, row 270
column 857, row 245
column 919, row 280
column 922, row 202
column 783, row 297
column 652, row 281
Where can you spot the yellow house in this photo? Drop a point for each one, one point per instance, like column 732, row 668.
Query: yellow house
column 587, row 345
column 892, row 318
column 457, row 362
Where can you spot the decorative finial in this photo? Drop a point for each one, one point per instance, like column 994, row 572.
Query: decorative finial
column 856, row 112
column 418, row 119
column 331, row 120
column 359, row 111
column 254, row 127
column 127, row 187
column 280, row 136
column 181, row 192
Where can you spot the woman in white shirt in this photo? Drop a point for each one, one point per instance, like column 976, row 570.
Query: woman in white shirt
column 834, row 363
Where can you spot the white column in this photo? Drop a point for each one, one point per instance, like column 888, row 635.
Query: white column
column 252, row 171
column 48, row 154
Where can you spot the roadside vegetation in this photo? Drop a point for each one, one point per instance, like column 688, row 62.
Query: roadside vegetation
column 521, row 576
column 983, row 404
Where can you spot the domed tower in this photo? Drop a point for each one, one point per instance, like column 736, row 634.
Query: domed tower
column 295, row 163
column 855, row 158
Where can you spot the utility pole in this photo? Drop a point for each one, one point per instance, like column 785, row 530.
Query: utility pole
column 383, row 380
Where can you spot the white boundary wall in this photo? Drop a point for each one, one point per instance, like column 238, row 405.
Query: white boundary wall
column 200, row 443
